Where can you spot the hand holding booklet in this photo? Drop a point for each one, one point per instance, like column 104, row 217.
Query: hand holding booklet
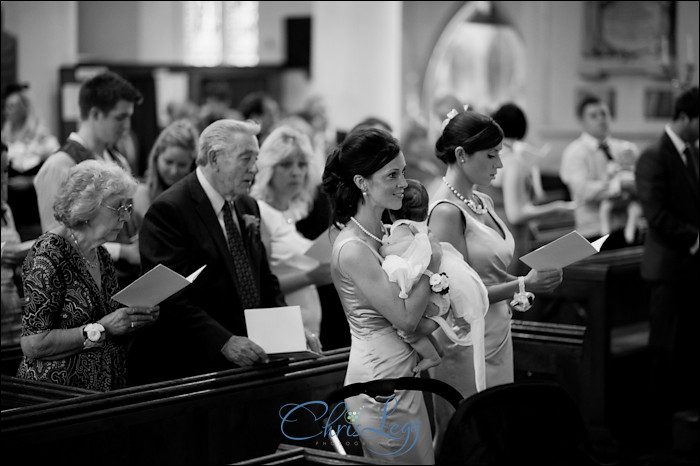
column 563, row 251
column 279, row 331
column 154, row 286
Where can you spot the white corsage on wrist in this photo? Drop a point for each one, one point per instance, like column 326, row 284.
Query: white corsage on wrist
column 93, row 335
column 439, row 283
column 522, row 300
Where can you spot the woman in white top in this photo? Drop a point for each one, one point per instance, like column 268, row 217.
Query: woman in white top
column 284, row 187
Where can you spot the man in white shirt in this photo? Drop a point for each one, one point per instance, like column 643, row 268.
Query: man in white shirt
column 585, row 169
column 106, row 104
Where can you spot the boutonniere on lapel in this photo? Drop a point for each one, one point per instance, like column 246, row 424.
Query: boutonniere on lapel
column 252, row 224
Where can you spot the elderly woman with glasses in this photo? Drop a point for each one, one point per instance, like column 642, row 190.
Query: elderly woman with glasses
column 73, row 333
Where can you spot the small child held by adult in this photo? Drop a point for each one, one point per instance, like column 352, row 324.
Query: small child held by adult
column 458, row 309
column 622, row 195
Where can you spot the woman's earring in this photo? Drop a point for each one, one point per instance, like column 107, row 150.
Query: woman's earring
column 461, row 160
column 364, row 193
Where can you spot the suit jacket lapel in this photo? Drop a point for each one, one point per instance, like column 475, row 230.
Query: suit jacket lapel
column 677, row 162
column 211, row 222
column 694, row 176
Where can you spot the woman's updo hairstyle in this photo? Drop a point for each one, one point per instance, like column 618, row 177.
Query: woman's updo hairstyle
column 363, row 152
column 470, row 130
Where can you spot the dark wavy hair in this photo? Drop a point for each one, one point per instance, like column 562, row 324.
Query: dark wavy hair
column 363, row 152
column 414, row 205
column 469, row 130
column 104, row 91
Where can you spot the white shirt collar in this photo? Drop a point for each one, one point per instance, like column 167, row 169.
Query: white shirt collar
column 76, row 137
column 216, row 199
column 677, row 141
column 591, row 141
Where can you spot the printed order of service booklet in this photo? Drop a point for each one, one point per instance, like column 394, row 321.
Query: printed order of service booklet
column 154, row 286
column 279, row 331
column 563, row 251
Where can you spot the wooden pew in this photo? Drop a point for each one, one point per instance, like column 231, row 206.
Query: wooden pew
column 18, row 393
column 548, row 348
column 290, row 454
column 10, row 356
column 578, row 334
column 217, row 418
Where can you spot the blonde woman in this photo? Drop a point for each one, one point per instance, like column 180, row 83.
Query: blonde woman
column 172, row 157
column 285, row 187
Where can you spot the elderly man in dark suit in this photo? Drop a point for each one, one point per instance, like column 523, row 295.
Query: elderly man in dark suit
column 208, row 218
column 667, row 183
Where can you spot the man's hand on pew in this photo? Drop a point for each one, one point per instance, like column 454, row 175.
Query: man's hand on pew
column 243, row 351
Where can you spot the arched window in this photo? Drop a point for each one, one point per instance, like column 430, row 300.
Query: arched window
column 478, row 60
column 221, row 33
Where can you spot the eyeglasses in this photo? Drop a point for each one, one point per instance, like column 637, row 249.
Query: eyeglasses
column 123, row 211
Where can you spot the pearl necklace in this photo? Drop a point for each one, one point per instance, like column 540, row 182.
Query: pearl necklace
column 365, row 231
column 91, row 265
column 479, row 210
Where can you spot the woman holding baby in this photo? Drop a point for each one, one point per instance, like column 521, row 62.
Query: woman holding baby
column 363, row 177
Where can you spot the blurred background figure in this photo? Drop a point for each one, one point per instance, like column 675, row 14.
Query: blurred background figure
column 182, row 110
column 584, row 169
column 13, row 253
column 284, row 187
column 420, row 161
column 373, row 122
column 517, row 190
column 261, row 107
column 326, row 136
column 623, row 190
column 29, row 143
column 171, row 158
column 216, row 106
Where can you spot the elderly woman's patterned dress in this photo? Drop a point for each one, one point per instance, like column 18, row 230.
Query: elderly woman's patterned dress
column 60, row 293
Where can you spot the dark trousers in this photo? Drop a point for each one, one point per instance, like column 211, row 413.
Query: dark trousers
column 673, row 347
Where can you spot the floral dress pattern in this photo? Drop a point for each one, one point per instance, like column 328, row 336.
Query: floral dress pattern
column 60, row 293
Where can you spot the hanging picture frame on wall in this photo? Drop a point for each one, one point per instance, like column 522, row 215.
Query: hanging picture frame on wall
column 658, row 102
column 628, row 38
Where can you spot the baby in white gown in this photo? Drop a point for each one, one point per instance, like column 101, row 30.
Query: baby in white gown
column 407, row 253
